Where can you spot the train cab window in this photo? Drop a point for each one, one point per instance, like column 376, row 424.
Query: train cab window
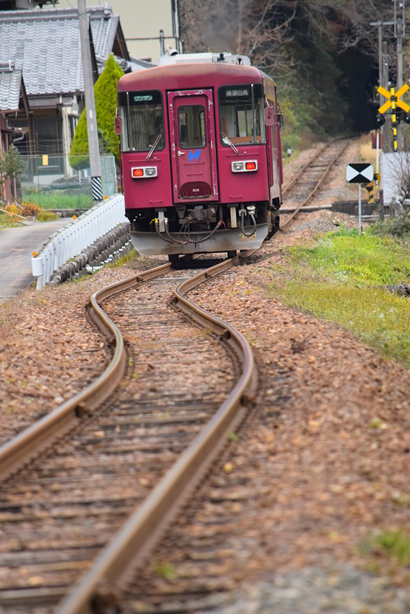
column 143, row 120
column 191, row 126
column 241, row 111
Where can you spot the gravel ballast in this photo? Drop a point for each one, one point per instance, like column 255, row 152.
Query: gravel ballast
column 325, row 482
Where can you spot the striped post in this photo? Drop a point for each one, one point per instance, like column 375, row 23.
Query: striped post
column 370, row 189
column 96, row 188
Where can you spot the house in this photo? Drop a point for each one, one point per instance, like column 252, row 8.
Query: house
column 47, row 44
column 150, row 28
column 14, row 105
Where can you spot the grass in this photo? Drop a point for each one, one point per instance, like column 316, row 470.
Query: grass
column 389, row 545
column 8, row 221
column 126, row 259
column 55, row 200
column 341, row 278
column 47, row 216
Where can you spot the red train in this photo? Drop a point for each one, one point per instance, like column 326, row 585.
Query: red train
column 201, row 155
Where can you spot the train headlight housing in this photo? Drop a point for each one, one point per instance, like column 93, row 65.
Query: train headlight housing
column 244, row 167
column 237, row 167
column 144, row 172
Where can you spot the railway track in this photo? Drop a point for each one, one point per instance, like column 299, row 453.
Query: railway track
column 112, row 457
column 303, row 187
column 105, row 472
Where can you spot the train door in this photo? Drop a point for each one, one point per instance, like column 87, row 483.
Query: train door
column 192, row 136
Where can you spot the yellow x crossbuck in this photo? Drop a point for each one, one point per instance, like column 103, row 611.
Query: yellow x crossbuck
column 393, row 98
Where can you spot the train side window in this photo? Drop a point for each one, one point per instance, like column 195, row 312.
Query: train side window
column 191, row 126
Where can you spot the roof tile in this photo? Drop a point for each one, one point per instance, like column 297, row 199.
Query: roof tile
column 47, row 41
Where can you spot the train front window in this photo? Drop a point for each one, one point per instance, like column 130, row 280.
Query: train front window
column 191, row 126
column 143, row 120
column 241, row 111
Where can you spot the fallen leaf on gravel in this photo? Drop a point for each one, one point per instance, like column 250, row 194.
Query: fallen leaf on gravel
column 228, row 467
column 377, row 423
column 98, row 433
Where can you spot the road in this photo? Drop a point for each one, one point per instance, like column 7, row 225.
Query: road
column 16, row 248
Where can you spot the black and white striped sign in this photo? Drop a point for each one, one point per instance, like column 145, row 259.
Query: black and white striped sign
column 359, row 173
column 96, row 188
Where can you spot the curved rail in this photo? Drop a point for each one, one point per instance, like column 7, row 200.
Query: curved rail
column 319, row 182
column 30, row 442
column 142, row 530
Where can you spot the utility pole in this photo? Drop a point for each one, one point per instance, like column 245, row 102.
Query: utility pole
column 383, row 142
column 399, row 31
column 92, row 128
column 383, row 73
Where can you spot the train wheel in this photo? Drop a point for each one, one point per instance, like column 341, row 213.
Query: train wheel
column 232, row 254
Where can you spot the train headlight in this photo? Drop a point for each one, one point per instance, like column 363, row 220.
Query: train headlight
column 144, row 171
column 244, row 167
column 238, row 166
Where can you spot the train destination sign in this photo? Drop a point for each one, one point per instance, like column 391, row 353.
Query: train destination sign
column 359, row 172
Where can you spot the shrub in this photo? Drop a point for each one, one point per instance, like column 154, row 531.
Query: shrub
column 29, row 209
column 398, row 226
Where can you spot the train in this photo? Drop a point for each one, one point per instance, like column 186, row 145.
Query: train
column 201, row 155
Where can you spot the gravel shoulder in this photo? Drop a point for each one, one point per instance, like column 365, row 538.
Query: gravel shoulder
column 324, row 479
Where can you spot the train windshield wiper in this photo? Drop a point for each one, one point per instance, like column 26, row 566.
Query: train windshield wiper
column 157, row 140
column 227, row 140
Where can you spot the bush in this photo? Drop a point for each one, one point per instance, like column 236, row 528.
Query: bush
column 398, row 226
column 29, row 209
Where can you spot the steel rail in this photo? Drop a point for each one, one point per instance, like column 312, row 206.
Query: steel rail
column 318, row 184
column 116, row 563
column 29, row 443
column 290, row 185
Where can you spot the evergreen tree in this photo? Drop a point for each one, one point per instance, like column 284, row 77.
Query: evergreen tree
column 12, row 166
column 105, row 93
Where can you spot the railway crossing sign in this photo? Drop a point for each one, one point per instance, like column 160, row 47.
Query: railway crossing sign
column 393, row 101
column 393, row 98
column 359, row 173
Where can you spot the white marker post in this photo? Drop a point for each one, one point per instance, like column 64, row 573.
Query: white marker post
column 359, row 173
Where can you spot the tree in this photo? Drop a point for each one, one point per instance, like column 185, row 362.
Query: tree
column 12, row 166
column 105, row 93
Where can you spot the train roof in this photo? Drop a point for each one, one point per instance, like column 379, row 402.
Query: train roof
column 189, row 76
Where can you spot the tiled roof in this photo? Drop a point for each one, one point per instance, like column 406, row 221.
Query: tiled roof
column 10, row 84
column 47, row 42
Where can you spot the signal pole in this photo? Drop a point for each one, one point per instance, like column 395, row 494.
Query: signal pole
column 92, row 128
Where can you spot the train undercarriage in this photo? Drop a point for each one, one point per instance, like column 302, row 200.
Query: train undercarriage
column 202, row 228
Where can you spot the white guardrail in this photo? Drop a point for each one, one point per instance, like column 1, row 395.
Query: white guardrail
column 74, row 238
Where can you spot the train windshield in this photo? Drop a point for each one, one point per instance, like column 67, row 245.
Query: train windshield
column 143, row 120
column 241, row 111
